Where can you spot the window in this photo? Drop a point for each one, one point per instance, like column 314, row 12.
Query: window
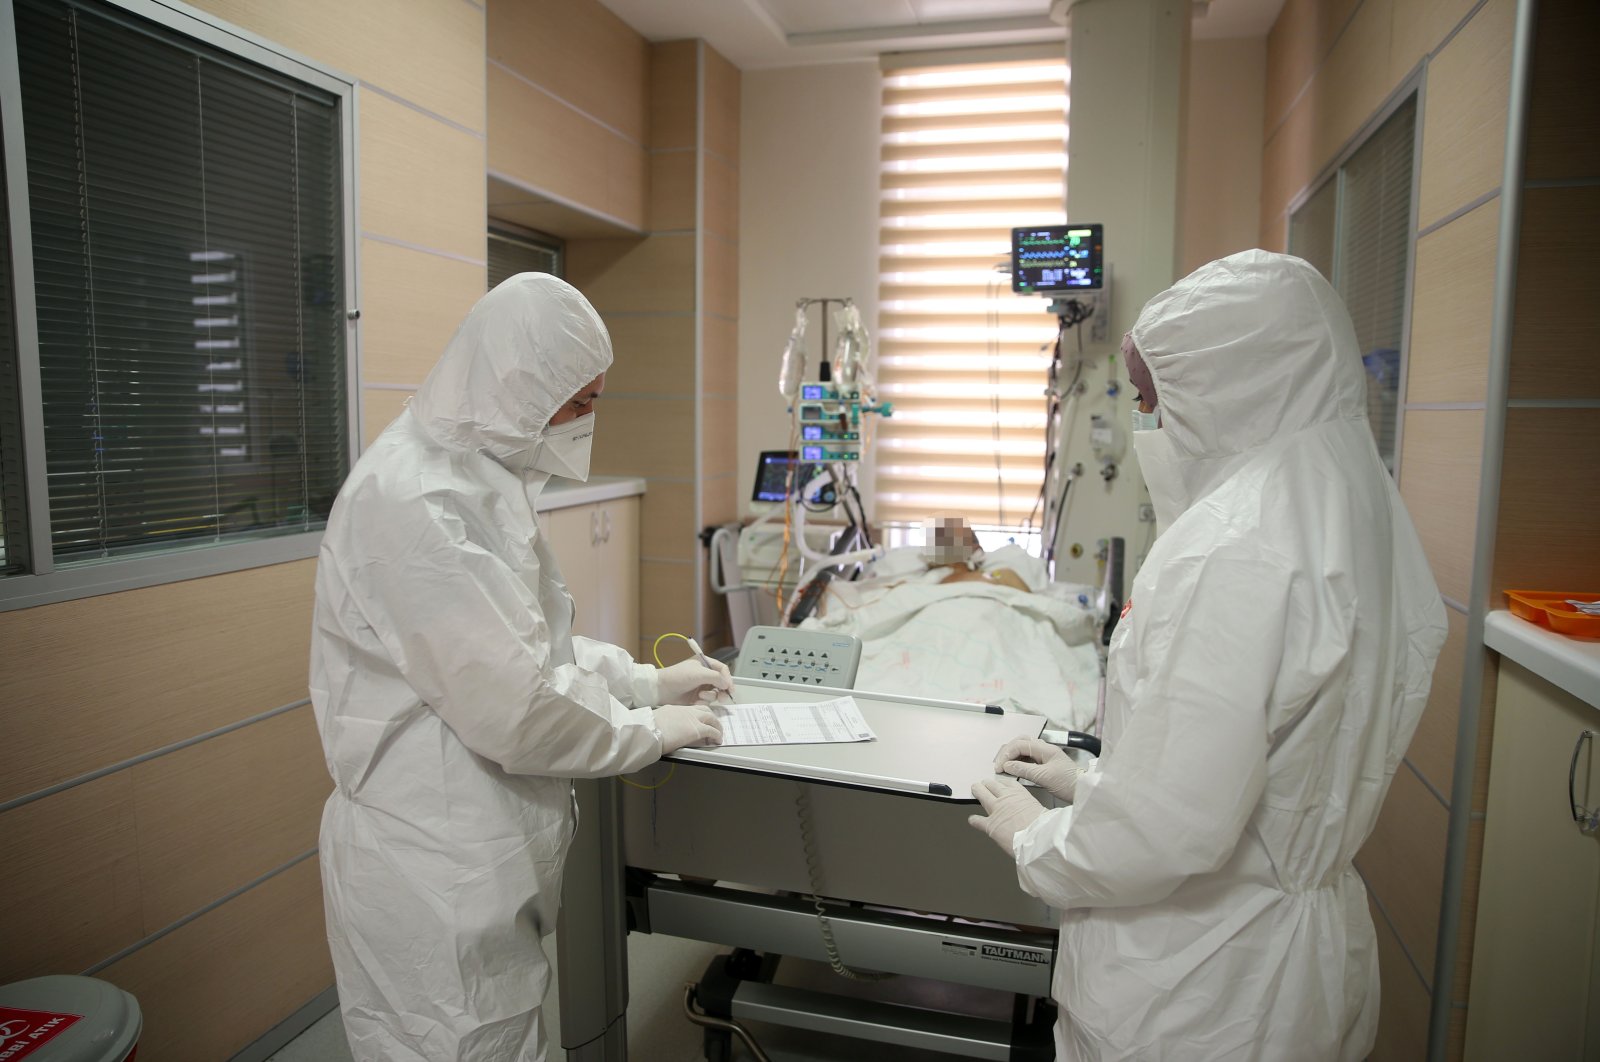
column 1356, row 229
column 512, row 252
column 181, row 384
column 968, row 152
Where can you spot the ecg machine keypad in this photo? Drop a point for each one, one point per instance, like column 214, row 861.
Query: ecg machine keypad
column 803, row 657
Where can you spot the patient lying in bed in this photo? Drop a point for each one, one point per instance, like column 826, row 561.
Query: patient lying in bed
column 951, row 621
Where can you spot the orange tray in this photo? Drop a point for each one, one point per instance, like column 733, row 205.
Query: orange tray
column 1549, row 608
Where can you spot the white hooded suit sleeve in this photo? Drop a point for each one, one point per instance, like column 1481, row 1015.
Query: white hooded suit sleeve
column 1176, row 789
column 468, row 635
column 632, row 684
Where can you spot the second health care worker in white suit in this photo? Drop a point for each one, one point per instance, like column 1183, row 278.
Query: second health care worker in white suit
column 1266, row 677
column 454, row 702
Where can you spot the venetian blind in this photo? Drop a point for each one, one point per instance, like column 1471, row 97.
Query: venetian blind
column 13, row 522
column 510, row 254
column 186, row 209
column 1374, row 243
column 968, row 152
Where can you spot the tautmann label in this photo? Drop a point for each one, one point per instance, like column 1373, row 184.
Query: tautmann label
column 1019, row 956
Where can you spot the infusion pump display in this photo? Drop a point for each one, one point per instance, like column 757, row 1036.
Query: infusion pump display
column 1051, row 258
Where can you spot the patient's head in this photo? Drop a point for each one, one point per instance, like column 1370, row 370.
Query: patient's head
column 949, row 541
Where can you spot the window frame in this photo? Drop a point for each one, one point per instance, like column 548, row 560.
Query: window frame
column 1413, row 88
column 43, row 582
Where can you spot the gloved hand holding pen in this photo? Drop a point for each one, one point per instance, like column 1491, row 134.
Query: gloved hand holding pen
column 1041, row 763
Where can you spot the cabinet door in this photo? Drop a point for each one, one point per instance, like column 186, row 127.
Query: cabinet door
column 1532, row 972
column 572, row 535
column 617, row 574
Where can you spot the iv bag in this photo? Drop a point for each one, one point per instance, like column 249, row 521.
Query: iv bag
column 793, row 369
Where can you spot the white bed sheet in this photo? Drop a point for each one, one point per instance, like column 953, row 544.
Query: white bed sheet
column 1028, row 652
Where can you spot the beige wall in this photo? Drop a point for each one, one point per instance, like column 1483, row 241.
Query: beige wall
column 671, row 302
column 1220, row 208
column 809, row 154
column 182, row 843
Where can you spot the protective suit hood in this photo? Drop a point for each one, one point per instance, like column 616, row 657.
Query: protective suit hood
column 522, row 351
column 1247, row 352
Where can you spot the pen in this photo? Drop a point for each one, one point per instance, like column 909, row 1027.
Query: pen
column 705, row 662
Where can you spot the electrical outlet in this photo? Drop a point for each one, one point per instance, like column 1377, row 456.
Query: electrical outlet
column 1147, row 513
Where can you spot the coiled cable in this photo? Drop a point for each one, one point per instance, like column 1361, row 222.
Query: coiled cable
column 808, row 842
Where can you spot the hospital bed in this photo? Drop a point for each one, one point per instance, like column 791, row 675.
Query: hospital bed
column 733, row 850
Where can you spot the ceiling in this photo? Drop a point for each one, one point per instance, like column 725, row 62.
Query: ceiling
column 756, row 34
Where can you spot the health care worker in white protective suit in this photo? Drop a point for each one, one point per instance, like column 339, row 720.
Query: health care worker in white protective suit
column 1263, row 683
column 453, row 700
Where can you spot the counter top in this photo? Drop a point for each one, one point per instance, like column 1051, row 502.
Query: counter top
column 1570, row 663
column 562, row 493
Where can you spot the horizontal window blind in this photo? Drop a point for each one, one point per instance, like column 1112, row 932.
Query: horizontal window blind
column 13, row 511
column 510, row 254
column 1374, row 242
column 1356, row 229
column 968, row 153
column 187, row 222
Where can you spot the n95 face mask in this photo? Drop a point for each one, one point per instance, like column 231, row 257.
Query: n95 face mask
column 564, row 449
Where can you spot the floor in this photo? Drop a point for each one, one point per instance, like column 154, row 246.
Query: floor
column 657, row 1030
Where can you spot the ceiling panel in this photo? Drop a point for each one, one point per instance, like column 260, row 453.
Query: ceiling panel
column 821, row 16
column 973, row 10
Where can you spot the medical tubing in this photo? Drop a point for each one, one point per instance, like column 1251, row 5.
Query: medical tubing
column 721, row 1024
column 808, row 841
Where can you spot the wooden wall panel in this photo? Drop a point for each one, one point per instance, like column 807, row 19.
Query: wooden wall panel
column 646, row 437
column 1403, row 1017
column 654, row 355
column 71, row 888
column 667, row 521
column 1557, row 329
column 421, row 180
column 1433, row 747
column 720, row 267
column 719, row 436
column 379, row 407
column 1549, row 536
column 1403, row 863
column 1287, row 167
column 721, row 115
column 1564, row 104
column 170, row 662
column 217, row 815
column 1420, row 26
column 1464, row 120
column 1297, row 44
column 1354, row 80
column 217, row 984
column 411, row 304
column 579, row 51
column 1452, row 310
column 720, row 496
column 672, row 191
column 542, row 143
column 431, row 54
column 1439, row 469
column 722, row 198
column 654, row 275
column 674, row 118
column 666, row 600
column 719, row 356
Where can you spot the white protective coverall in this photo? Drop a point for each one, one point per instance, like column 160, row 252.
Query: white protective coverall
column 1263, row 684
column 454, row 702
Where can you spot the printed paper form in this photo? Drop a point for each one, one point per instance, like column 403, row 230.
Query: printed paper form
column 792, row 723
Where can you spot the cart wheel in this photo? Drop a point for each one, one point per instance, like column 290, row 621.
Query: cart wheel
column 719, row 1046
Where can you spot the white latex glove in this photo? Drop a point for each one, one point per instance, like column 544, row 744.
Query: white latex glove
column 1010, row 809
column 685, row 725
column 690, row 680
column 1041, row 763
